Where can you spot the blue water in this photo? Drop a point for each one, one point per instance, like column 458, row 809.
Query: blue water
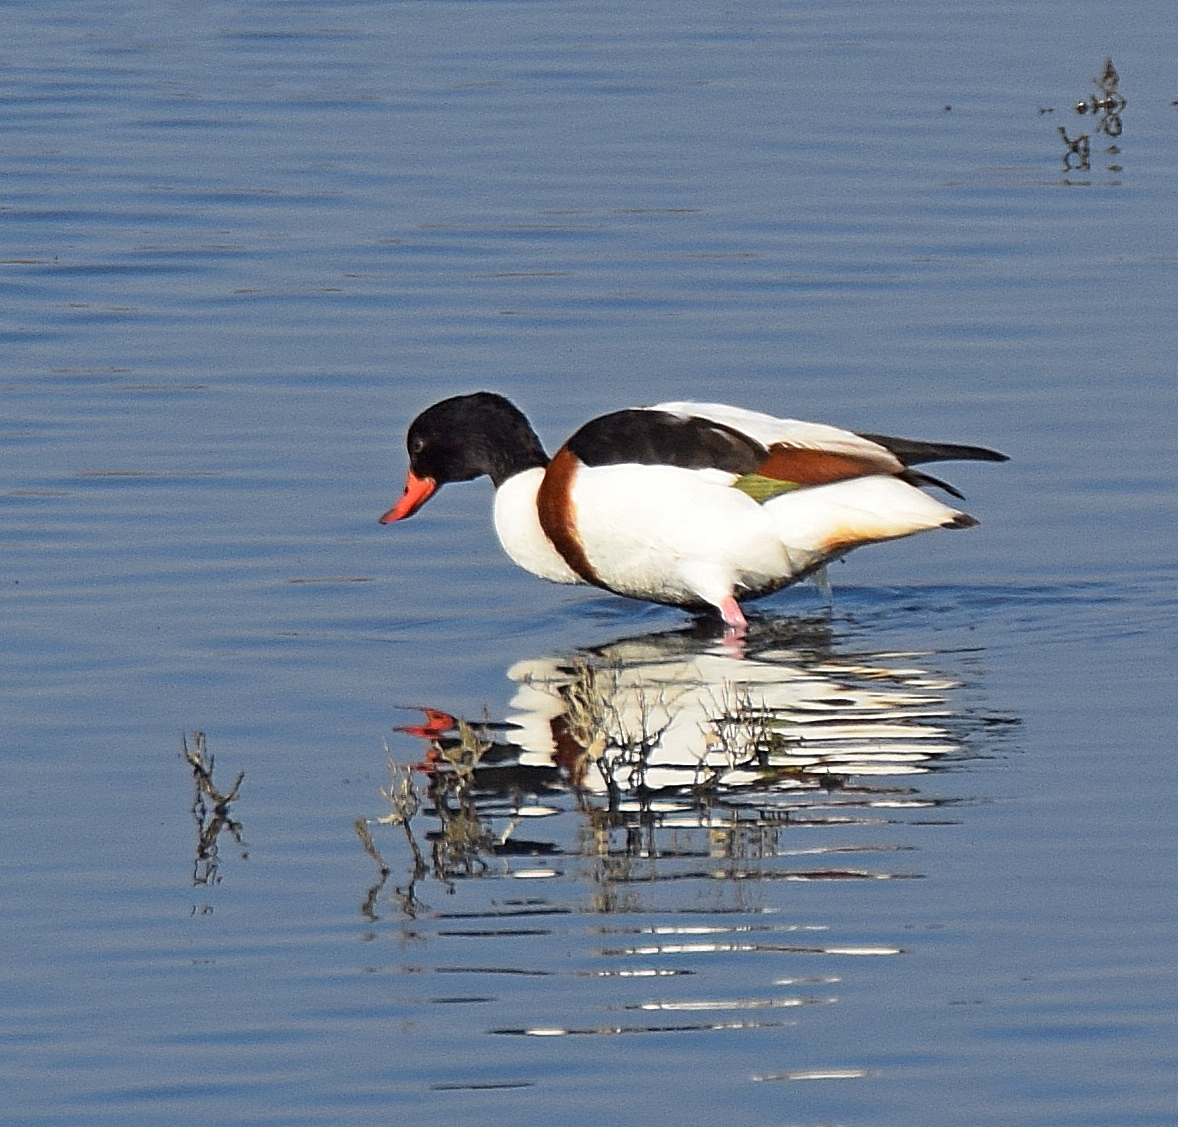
column 241, row 247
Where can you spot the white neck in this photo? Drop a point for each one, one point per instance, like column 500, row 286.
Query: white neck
column 517, row 525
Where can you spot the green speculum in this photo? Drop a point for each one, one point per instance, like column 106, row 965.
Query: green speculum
column 761, row 488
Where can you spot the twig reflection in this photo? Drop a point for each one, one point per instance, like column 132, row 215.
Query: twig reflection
column 210, row 810
column 1107, row 105
column 404, row 802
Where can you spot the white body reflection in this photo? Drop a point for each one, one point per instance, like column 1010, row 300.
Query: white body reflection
column 659, row 712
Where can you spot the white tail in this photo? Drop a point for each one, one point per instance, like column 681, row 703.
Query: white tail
column 840, row 516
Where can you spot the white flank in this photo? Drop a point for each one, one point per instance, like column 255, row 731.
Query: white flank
column 675, row 535
column 517, row 525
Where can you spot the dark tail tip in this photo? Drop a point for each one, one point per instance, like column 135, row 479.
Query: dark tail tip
column 962, row 520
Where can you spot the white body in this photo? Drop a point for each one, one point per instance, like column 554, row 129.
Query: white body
column 670, row 719
column 686, row 537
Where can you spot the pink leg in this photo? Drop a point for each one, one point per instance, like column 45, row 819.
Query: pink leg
column 735, row 628
column 731, row 613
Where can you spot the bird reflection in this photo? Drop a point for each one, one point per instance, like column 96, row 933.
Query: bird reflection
column 679, row 759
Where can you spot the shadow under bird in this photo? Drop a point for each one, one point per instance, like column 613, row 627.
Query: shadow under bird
column 690, row 504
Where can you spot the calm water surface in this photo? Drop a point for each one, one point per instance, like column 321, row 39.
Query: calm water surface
column 909, row 859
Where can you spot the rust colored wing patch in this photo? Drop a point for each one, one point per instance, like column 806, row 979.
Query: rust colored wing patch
column 558, row 516
column 820, row 467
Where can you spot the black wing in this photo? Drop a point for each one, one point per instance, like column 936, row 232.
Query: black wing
column 658, row 438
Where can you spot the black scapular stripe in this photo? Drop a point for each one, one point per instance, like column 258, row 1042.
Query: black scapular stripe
column 912, row 452
column 658, row 438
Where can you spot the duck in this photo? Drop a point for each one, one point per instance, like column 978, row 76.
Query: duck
column 695, row 505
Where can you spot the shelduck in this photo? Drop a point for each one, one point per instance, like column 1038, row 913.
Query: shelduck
column 691, row 504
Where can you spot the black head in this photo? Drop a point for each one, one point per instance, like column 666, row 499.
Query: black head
column 465, row 437
column 462, row 438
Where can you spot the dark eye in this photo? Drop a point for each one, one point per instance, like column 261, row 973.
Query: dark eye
column 416, row 445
